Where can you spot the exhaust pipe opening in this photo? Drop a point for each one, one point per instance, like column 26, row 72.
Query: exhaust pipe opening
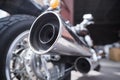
column 82, row 65
column 44, row 32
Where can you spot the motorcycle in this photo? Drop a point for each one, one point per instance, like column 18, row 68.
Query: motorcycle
column 54, row 48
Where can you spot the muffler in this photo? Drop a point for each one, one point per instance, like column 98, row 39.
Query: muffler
column 49, row 34
column 85, row 65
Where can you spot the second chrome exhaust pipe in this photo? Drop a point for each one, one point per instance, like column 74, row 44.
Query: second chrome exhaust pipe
column 85, row 65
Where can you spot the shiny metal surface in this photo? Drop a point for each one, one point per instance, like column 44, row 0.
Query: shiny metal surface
column 15, row 65
column 3, row 14
column 61, row 41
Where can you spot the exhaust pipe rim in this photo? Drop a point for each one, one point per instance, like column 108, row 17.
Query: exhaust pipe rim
column 59, row 32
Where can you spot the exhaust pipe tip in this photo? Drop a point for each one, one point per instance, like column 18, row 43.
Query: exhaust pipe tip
column 44, row 32
column 82, row 65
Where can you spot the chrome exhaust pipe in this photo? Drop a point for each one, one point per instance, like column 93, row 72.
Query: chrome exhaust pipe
column 49, row 34
column 85, row 65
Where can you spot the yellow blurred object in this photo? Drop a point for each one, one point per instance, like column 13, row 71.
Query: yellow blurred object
column 54, row 3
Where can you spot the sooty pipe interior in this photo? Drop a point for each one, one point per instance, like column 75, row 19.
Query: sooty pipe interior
column 47, row 33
